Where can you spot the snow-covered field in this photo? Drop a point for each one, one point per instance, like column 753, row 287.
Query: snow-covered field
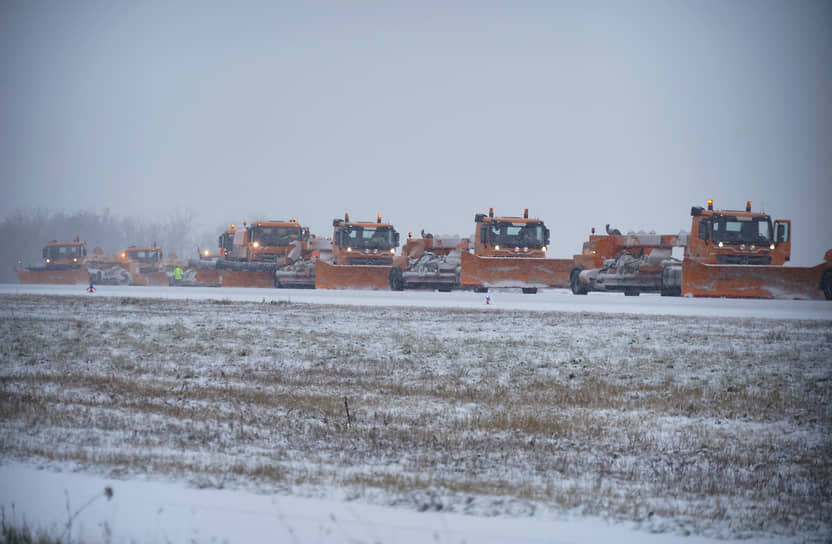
column 345, row 416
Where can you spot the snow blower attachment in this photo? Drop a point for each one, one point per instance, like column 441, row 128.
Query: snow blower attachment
column 511, row 252
column 631, row 263
column 361, row 257
column 63, row 263
column 429, row 263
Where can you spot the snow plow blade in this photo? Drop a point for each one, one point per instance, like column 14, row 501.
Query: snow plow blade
column 155, row 277
column 56, row 275
column 246, row 278
column 245, row 274
column 527, row 273
column 756, row 281
column 200, row 273
column 335, row 276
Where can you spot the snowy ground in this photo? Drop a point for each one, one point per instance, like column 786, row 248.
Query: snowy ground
column 221, row 414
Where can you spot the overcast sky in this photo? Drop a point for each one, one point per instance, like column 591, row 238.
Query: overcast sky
column 586, row 113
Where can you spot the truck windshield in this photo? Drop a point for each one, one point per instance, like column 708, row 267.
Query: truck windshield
column 368, row 237
column 508, row 234
column 144, row 255
column 742, row 230
column 63, row 252
column 275, row 236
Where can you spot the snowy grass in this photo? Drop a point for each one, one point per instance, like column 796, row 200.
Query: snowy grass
column 710, row 425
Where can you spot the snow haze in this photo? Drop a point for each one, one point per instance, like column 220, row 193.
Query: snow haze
column 586, row 113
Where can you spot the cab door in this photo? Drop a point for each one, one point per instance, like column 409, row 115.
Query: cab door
column 782, row 242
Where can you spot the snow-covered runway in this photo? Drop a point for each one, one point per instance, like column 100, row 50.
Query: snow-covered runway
column 549, row 300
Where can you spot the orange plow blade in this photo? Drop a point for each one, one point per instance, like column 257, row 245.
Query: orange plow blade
column 333, row 276
column 67, row 276
column 207, row 276
column 752, row 281
column 157, row 277
column 246, row 278
column 479, row 272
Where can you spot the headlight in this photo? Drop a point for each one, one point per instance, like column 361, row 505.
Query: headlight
column 497, row 247
column 255, row 245
column 75, row 259
column 771, row 247
column 543, row 248
column 393, row 251
column 752, row 248
column 48, row 260
column 349, row 249
column 742, row 247
column 721, row 244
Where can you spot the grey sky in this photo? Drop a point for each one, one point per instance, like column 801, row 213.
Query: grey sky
column 587, row 113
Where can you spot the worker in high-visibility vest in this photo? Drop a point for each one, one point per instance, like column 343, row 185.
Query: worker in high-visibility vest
column 177, row 275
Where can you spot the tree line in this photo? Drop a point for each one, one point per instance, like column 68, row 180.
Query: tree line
column 25, row 234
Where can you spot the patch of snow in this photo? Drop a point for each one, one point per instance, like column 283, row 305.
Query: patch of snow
column 151, row 511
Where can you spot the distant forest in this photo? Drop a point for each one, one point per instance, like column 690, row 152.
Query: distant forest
column 25, row 234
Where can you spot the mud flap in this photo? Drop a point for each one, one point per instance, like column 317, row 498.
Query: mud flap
column 514, row 272
column 752, row 281
column 332, row 276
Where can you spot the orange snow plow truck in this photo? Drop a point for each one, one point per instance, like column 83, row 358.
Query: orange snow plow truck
column 741, row 255
column 263, row 254
column 133, row 266
column 361, row 257
column 63, row 263
column 511, row 252
column 508, row 252
column 736, row 254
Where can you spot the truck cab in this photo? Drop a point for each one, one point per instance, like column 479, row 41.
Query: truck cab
column 148, row 257
column 363, row 242
column 737, row 237
column 65, row 254
column 510, row 236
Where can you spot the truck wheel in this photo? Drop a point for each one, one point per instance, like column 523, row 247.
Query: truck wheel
column 395, row 279
column 529, row 290
column 631, row 292
column 826, row 283
column 575, row 283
